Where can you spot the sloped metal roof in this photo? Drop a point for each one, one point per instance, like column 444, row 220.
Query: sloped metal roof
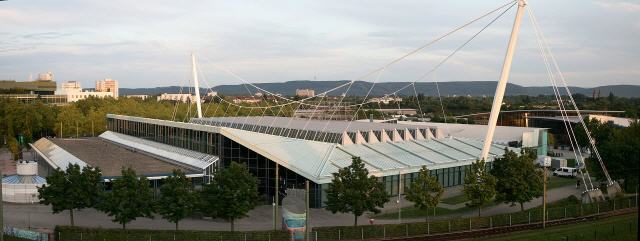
column 54, row 155
column 317, row 161
column 179, row 155
column 18, row 179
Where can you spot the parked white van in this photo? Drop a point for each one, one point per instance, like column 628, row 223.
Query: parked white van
column 566, row 172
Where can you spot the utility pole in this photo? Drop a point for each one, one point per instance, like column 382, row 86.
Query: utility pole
column 502, row 84
column 276, row 201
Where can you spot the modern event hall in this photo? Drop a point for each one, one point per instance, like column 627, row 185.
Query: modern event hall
column 300, row 150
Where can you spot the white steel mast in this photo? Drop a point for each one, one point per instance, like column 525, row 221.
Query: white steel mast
column 196, row 85
column 502, row 84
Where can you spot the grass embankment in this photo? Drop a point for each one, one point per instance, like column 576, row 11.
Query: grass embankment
column 614, row 228
column 556, row 182
column 412, row 212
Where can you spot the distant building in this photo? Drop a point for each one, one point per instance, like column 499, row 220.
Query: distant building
column 212, row 94
column 30, row 98
column 325, row 113
column 386, row 100
column 246, row 100
column 176, row 97
column 70, row 87
column 395, row 111
column 550, row 119
column 43, row 86
column 305, row 92
column 142, row 97
column 108, row 85
column 45, row 76
column 73, row 91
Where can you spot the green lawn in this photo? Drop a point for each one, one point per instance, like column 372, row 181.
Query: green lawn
column 455, row 199
column 615, row 228
column 412, row 212
column 571, row 162
column 555, row 182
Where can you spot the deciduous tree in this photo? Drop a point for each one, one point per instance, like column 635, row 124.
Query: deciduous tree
column 352, row 190
column 425, row 191
column 479, row 185
column 130, row 198
column 518, row 179
column 72, row 189
column 231, row 194
column 177, row 199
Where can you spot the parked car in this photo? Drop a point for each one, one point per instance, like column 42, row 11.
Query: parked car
column 566, row 172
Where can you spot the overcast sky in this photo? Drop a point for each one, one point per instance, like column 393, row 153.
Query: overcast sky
column 147, row 43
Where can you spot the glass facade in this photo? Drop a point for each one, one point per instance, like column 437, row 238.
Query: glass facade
column 226, row 149
column 261, row 167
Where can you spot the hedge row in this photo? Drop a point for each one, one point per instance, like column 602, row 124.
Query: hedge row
column 11, row 238
column 67, row 233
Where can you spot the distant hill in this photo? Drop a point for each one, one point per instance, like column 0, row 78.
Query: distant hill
column 360, row 88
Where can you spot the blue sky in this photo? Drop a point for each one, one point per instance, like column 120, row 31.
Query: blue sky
column 147, row 43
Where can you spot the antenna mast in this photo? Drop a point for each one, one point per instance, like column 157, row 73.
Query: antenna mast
column 502, row 84
column 196, row 85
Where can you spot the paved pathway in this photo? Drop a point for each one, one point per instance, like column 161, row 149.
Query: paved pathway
column 261, row 218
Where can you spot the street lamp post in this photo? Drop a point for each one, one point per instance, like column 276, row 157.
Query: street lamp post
column 398, row 201
column 544, row 196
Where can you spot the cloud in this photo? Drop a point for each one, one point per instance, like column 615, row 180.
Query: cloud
column 622, row 6
column 147, row 43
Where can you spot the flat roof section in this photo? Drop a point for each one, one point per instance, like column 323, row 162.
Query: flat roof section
column 111, row 158
column 503, row 134
column 329, row 126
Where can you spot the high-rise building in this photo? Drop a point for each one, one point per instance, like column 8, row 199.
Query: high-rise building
column 73, row 91
column 107, row 85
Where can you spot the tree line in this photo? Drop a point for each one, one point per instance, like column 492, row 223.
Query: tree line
column 22, row 123
column 232, row 192
column 513, row 179
column 619, row 148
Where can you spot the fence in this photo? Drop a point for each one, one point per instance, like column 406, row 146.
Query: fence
column 455, row 225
